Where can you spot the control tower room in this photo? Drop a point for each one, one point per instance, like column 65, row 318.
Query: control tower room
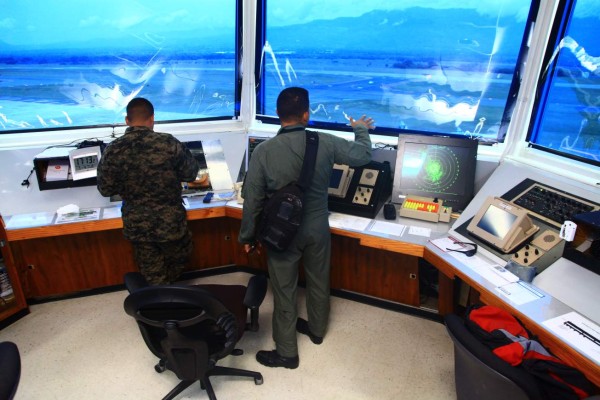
column 457, row 169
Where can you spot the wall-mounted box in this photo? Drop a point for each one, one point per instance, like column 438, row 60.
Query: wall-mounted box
column 53, row 170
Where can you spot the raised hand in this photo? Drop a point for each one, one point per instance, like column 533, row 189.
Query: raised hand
column 369, row 123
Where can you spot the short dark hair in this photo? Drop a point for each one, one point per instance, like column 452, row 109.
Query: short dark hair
column 292, row 103
column 139, row 109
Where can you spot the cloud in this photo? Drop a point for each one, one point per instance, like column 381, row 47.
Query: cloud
column 587, row 9
column 7, row 23
column 90, row 21
column 118, row 23
column 179, row 15
column 128, row 21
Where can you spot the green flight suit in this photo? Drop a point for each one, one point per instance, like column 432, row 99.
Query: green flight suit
column 274, row 164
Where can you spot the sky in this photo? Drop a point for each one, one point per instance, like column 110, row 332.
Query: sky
column 48, row 21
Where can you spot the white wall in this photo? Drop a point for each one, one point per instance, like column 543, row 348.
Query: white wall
column 16, row 163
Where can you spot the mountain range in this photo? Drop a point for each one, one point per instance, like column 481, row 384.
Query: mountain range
column 408, row 33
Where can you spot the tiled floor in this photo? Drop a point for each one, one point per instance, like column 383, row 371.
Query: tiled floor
column 88, row 348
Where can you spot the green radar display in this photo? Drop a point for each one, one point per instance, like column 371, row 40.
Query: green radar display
column 439, row 169
column 435, row 167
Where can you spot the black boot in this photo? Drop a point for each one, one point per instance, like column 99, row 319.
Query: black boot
column 273, row 359
column 302, row 327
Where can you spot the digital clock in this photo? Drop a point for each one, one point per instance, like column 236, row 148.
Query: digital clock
column 84, row 162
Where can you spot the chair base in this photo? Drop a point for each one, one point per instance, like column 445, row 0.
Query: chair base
column 206, row 385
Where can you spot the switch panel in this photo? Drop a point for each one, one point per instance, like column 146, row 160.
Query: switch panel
column 362, row 195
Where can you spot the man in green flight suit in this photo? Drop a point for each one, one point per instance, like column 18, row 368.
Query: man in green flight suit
column 146, row 169
column 274, row 164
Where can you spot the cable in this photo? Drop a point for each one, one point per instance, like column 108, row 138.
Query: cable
column 26, row 180
column 381, row 146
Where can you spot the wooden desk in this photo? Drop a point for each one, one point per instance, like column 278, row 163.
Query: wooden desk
column 383, row 268
column 17, row 305
column 531, row 315
column 60, row 259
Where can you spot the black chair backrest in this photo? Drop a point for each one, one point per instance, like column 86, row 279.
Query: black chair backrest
column 10, row 370
column 185, row 325
column 480, row 374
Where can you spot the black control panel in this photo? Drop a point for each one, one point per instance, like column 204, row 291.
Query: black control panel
column 548, row 203
column 548, row 208
column 368, row 188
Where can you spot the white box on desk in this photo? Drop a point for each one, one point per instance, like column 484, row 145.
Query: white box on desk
column 58, row 170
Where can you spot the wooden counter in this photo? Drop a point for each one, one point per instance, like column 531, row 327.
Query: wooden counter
column 55, row 260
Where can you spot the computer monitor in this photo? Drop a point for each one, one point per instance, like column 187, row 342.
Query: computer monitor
column 202, row 183
column 437, row 167
column 251, row 144
column 502, row 224
column 341, row 176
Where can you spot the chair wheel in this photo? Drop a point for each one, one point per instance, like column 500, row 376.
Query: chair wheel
column 237, row 352
column 160, row 367
column 258, row 381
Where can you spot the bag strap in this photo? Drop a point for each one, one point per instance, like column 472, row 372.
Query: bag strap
column 310, row 158
column 310, row 155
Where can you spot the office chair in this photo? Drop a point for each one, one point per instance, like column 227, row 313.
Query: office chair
column 238, row 299
column 10, row 365
column 190, row 328
column 480, row 374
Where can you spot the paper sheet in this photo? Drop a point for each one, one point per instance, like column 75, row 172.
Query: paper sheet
column 111, row 212
column 89, row 214
column 448, row 243
column 29, row 220
column 388, row 228
column 519, row 292
column 579, row 332
column 493, row 273
column 415, row 230
column 343, row 221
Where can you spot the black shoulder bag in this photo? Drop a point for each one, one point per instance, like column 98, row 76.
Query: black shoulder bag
column 283, row 212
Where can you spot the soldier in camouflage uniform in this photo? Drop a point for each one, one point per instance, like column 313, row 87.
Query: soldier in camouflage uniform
column 146, row 169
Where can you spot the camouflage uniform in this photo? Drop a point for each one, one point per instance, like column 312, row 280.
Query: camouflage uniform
column 146, row 169
column 274, row 164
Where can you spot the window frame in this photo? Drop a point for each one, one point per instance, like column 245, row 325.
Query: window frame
column 108, row 129
column 560, row 26
column 507, row 114
column 516, row 148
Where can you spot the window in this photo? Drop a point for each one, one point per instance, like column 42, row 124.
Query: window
column 568, row 104
column 66, row 64
column 430, row 67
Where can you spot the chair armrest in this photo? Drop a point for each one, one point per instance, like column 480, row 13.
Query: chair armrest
column 256, row 291
column 255, row 294
column 135, row 281
column 227, row 322
column 10, row 365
